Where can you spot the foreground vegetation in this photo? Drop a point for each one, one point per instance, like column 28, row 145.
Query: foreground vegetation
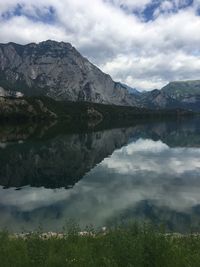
column 131, row 246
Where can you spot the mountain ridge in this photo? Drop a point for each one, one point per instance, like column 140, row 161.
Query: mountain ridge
column 57, row 70
column 187, row 93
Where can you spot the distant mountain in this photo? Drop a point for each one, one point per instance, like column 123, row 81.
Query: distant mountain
column 186, row 92
column 157, row 99
column 182, row 94
column 181, row 90
column 131, row 90
column 57, row 70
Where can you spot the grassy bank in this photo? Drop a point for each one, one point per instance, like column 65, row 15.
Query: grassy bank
column 130, row 246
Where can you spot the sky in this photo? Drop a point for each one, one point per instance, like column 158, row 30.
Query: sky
column 143, row 43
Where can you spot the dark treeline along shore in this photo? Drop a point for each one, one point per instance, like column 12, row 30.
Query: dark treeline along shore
column 44, row 108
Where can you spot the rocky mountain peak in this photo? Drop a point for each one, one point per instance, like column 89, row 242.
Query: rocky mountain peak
column 58, row 70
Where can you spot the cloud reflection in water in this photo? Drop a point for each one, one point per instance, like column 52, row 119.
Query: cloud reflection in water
column 144, row 170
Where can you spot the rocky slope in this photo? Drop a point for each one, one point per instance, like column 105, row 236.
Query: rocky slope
column 180, row 90
column 57, row 70
column 186, row 92
column 182, row 94
column 157, row 99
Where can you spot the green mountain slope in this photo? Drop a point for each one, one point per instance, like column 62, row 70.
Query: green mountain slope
column 182, row 89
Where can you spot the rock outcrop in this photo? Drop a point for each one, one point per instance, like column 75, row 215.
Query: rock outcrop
column 57, row 70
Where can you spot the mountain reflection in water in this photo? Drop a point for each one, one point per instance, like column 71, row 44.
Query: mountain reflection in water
column 145, row 172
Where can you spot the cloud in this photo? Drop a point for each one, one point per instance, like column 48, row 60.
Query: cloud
column 154, row 157
column 119, row 36
column 129, row 5
column 153, row 71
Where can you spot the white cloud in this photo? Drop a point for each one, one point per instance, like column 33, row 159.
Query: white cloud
column 130, row 5
column 154, row 71
column 143, row 54
column 154, row 157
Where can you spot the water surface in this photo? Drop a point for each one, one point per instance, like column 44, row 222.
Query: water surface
column 146, row 172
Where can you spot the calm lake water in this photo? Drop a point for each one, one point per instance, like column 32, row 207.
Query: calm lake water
column 146, row 172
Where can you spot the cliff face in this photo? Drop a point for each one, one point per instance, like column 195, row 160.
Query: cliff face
column 57, row 70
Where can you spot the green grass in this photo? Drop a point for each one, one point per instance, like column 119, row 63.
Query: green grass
column 131, row 246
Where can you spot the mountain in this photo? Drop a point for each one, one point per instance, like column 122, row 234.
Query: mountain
column 186, row 92
column 181, row 90
column 157, row 99
column 131, row 90
column 57, row 70
column 181, row 94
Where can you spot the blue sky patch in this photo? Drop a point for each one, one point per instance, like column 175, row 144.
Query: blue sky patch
column 46, row 14
column 149, row 11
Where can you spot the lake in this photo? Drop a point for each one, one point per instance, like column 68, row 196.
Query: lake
column 148, row 171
